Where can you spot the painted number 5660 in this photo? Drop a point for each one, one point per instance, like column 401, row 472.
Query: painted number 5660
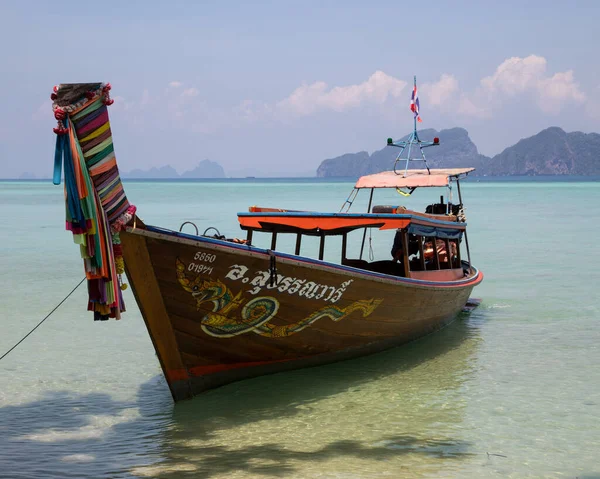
column 205, row 257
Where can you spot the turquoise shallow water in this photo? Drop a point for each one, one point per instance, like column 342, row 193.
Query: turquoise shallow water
column 511, row 390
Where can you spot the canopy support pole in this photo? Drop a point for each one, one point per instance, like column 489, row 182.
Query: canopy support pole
column 466, row 237
column 362, row 246
column 274, row 240
column 405, row 259
column 322, row 247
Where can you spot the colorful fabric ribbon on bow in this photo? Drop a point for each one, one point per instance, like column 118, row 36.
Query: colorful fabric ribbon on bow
column 96, row 205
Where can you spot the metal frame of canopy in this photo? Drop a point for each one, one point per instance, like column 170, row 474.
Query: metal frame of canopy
column 409, row 179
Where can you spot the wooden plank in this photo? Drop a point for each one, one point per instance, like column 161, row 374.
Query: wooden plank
column 147, row 293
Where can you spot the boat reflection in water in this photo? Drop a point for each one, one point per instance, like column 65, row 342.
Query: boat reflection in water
column 399, row 410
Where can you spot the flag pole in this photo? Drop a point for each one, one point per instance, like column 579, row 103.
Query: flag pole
column 415, row 116
column 413, row 139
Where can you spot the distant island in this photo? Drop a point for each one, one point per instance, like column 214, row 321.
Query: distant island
column 551, row 152
column 204, row 169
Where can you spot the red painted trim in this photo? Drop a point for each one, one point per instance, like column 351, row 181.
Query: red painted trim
column 174, row 375
column 216, row 368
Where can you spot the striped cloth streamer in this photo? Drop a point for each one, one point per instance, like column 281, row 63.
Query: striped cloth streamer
column 96, row 205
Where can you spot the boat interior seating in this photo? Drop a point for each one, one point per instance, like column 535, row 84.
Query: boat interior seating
column 389, row 209
column 385, row 267
column 433, row 210
column 441, row 208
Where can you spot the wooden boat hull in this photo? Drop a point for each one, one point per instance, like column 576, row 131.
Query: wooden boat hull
column 218, row 312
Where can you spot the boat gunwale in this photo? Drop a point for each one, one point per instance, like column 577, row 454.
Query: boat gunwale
column 213, row 243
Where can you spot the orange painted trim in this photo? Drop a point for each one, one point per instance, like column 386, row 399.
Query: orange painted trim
column 262, row 209
column 313, row 222
column 326, row 222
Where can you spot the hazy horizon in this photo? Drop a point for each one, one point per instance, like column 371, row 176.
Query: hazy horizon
column 278, row 88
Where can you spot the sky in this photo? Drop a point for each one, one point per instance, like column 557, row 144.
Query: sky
column 272, row 88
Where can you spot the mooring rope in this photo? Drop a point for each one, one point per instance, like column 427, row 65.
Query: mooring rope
column 40, row 323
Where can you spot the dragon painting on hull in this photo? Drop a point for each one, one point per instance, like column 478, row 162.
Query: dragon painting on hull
column 257, row 313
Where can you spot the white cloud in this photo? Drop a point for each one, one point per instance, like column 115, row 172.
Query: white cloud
column 440, row 92
column 468, row 108
column 121, row 104
column 516, row 76
column 592, row 107
column 558, row 90
column 189, row 108
column 308, row 99
column 190, row 92
column 251, row 111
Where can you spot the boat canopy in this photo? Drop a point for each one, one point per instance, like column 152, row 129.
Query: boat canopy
column 413, row 178
column 319, row 224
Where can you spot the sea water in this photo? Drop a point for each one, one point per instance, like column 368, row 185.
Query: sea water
column 510, row 390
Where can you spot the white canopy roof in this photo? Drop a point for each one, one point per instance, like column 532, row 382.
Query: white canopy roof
column 413, row 178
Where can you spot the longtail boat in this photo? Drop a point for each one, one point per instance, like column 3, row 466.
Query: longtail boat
column 221, row 309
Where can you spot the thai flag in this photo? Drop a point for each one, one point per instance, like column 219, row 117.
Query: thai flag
column 414, row 104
